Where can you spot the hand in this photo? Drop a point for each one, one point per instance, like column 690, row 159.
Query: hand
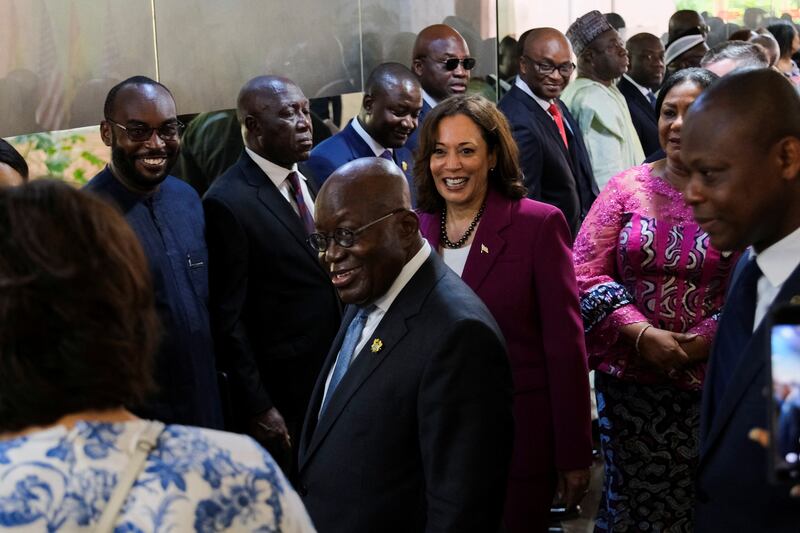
column 761, row 436
column 697, row 349
column 663, row 349
column 572, row 486
column 269, row 429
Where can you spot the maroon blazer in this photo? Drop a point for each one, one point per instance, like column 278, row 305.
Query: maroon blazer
column 520, row 265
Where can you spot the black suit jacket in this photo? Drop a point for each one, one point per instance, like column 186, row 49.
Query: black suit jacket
column 733, row 493
column 274, row 311
column 417, row 436
column 552, row 173
column 643, row 115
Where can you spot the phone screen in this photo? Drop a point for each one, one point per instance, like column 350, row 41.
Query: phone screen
column 785, row 405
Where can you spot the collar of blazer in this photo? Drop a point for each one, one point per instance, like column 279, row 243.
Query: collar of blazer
column 391, row 330
column 750, row 365
column 271, row 197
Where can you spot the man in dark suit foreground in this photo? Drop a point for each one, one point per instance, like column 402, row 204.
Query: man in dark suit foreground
column 274, row 311
column 639, row 84
column 744, row 188
column 555, row 163
column 409, row 427
column 389, row 111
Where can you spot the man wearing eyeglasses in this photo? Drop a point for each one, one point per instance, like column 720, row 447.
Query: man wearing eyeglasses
column 409, row 427
column 274, row 310
column 594, row 100
column 554, row 159
column 142, row 129
column 442, row 63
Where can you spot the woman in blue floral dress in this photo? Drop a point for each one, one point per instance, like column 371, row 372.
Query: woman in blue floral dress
column 77, row 334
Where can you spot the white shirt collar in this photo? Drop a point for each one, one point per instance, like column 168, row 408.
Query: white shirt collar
column 374, row 145
column 781, row 259
column 644, row 90
column 429, row 99
column 544, row 104
column 276, row 173
column 408, row 271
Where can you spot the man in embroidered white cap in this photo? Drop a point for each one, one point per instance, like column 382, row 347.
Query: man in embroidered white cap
column 595, row 101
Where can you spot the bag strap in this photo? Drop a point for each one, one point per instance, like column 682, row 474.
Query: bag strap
column 144, row 445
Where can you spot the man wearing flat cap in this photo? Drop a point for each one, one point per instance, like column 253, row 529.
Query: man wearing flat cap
column 594, row 100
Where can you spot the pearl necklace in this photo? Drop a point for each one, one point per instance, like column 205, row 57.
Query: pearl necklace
column 446, row 242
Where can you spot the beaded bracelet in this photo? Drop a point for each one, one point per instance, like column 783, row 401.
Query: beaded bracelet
column 639, row 337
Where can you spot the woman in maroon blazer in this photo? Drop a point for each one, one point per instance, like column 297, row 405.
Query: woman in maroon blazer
column 514, row 253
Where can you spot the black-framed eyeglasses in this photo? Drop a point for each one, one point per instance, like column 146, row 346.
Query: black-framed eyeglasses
column 565, row 69
column 344, row 237
column 142, row 132
column 451, row 63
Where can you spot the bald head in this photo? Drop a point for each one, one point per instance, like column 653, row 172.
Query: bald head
column 544, row 46
column 372, row 183
column 646, row 57
column 684, row 21
column 276, row 120
column 744, row 161
column 433, row 46
column 365, row 202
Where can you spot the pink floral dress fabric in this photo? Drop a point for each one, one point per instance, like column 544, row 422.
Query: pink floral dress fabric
column 641, row 257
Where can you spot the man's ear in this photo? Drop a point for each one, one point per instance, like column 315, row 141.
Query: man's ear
column 416, row 67
column 366, row 103
column 789, row 155
column 251, row 124
column 105, row 132
column 409, row 225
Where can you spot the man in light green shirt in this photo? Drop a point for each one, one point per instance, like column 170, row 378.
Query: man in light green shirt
column 596, row 103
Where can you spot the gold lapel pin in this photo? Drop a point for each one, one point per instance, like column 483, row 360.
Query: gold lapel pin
column 795, row 300
column 404, row 165
column 377, row 344
column 484, row 249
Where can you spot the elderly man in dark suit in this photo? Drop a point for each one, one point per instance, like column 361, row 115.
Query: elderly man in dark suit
column 274, row 311
column 554, row 160
column 409, row 428
column 639, row 84
column 389, row 112
column 442, row 63
column 744, row 189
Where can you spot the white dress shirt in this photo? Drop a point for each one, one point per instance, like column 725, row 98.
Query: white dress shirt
column 777, row 263
column 642, row 89
column 374, row 145
column 456, row 258
column 382, row 306
column 277, row 175
column 544, row 104
column 429, row 99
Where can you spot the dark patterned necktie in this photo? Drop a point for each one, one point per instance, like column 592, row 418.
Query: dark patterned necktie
column 302, row 208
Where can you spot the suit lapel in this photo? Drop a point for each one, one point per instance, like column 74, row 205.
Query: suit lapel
column 358, row 146
column 544, row 119
column 275, row 202
column 487, row 244
column 748, row 368
column 390, row 331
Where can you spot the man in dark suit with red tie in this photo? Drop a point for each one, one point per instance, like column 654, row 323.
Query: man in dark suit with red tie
column 274, row 311
column 553, row 156
column 638, row 86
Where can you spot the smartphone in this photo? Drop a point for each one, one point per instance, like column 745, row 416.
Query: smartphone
column 784, row 407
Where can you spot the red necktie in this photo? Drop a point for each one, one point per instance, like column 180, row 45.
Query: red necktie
column 302, row 209
column 556, row 112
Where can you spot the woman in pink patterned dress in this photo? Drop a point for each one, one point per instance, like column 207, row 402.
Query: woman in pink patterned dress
column 651, row 288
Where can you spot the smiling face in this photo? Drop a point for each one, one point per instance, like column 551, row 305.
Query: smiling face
column 279, row 125
column 460, row 162
column 670, row 120
column 391, row 113
column 738, row 189
column 551, row 49
column 141, row 166
column 355, row 195
column 433, row 76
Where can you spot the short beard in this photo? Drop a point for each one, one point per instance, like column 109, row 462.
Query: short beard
column 126, row 167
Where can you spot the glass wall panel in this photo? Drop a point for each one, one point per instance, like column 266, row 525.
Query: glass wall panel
column 60, row 58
